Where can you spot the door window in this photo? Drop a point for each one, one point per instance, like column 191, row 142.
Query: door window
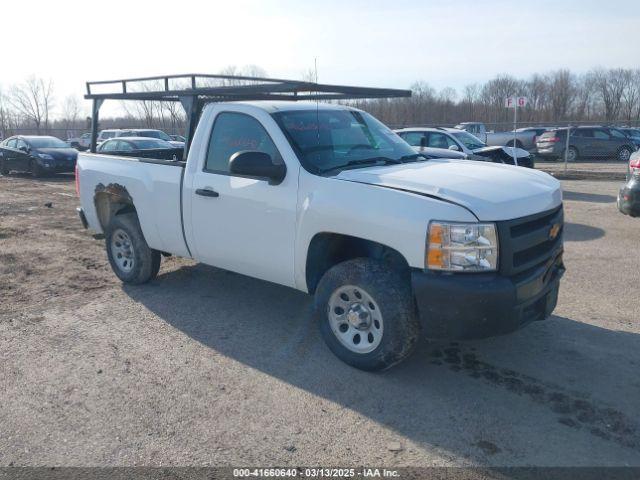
column 12, row 143
column 22, row 145
column 109, row 146
column 440, row 140
column 124, row 146
column 412, row 138
column 601, row 135
column 617, row 134
column 235, row 132
column 582, row 133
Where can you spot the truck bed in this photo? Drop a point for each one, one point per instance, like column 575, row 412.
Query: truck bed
column 155, row 185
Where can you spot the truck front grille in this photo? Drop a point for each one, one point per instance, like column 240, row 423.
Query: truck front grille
column 528, row 243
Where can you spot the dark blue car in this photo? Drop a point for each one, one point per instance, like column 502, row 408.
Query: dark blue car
column 38, row 155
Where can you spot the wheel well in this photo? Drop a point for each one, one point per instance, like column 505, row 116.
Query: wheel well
column 518, row 144
column 111, row 201
column 329, row 249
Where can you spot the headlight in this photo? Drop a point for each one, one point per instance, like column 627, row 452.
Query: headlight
column 462, row 247
column 45, row 156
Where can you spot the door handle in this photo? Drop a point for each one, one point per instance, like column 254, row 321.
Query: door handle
column 207, row 192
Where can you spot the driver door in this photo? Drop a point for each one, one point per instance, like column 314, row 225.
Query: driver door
column 238, row 223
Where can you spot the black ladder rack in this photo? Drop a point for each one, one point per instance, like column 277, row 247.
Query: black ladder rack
column 193, row 91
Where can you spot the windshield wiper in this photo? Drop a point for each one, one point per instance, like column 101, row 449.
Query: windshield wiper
column 364, row 161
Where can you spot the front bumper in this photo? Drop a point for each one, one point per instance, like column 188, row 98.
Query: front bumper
column 466, row 306
column 57, row 166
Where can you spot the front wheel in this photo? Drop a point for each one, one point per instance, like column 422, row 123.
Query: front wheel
column 35, row 169
column 624, row 154
column 366, row 314
column 131, row 259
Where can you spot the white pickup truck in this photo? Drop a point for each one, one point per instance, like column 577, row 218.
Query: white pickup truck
column 325, row 199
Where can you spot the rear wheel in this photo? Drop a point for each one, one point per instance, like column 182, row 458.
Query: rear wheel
column 366, row 314
column 4, row 169
column 572, row 155
column 131, row 259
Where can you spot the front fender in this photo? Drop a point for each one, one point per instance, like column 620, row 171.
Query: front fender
column 396, row 219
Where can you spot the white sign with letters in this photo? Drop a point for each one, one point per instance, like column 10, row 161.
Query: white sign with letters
column 513, row 102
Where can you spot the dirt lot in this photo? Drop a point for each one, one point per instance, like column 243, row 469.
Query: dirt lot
column 205, row 367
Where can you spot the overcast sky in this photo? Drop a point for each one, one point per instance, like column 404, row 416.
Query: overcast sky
column 372, row 43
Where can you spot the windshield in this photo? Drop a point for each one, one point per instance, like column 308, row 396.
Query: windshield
column 47, row 142
column 468, row 140
column 334, row 139
column 154, row 134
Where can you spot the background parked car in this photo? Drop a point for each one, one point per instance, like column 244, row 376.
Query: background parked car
column 37, row 154
column 629, row 194
column 633, row 134
column 80, row 143
column 586, row 142
column 150, row 133
column 457, row 140
column 178, row 138
column 107, row 134
column 525, row 138
column 141, row 147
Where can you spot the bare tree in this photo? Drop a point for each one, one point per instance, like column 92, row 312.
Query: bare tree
column 71, row 111
column 609, row 86
column 631, row 95
column 175, row 114
column 309, row 75
column 5, row 116
column 33, row 100
column 561, row 89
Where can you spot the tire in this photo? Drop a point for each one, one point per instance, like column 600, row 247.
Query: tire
column 4, row 170
column 131, row 259
column 385, row 304
column 624, row 154
column 573, row 155
column 35, row 169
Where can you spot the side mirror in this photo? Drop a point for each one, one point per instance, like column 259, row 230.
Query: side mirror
column 257, row 165
column 24, row 149
column 454, row 147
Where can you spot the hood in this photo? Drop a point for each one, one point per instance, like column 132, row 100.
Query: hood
column 176, row 143
column 59, row 153
column 508, row 150
column 491, row 191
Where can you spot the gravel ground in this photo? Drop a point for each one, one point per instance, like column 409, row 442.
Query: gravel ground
column 206, row 367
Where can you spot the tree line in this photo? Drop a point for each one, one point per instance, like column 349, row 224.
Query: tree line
column 599, row 96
